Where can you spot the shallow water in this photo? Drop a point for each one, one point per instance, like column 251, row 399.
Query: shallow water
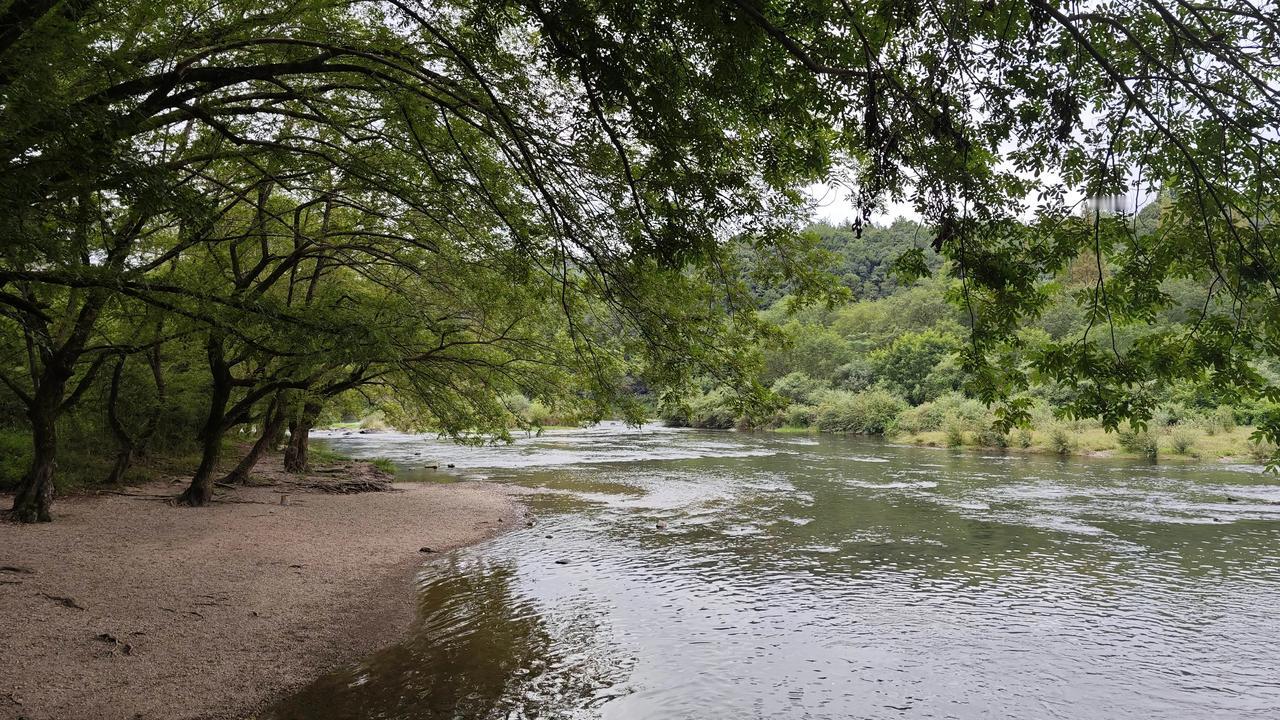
column 798, row 577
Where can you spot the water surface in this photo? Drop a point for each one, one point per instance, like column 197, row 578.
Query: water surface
column 686, row 574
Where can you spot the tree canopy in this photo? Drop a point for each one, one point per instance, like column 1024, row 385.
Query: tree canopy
column 463, row 200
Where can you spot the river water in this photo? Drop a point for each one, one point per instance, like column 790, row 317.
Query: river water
column 687, row 574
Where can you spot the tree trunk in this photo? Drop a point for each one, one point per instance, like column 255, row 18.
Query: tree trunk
column 34, row 501
column 295, row 454
column 200, row 491
column 124, row 459
column 129, row 444
column 273, row 424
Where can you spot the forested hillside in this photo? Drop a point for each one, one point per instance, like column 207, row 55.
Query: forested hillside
column 890, row 361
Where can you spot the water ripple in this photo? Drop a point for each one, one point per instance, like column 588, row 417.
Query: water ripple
column 728, row 576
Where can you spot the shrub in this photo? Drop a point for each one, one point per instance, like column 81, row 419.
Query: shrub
column 991, row 437
column 1251, row 411
column 1170, row 414
column 856, row 375
column 1023, row 437
column 907, row 365
column 1181, row 440
column 799, row 415
column 968, row 413
column 1261, row 451
column 1225, row 417
column 955, row 434
column 674, row 417
column 385, row 465
column 714, row 410
column 870, row 412
column 537, row 413
column 1061, row 440
column 798, row 387
column 1210, row 425
column 1140, row 442
column 15, row 456
column 922, row 418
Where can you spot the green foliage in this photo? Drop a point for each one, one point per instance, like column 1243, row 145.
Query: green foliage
column 1182, row 440
column 321, row 455
column 718, row 409
column 866, row 262
column 800, row 416
column 916, row 308
column 386, row 465
column 993, row 437
column 966, row 413
column 1142, row 442
column 798, row 387
column 1023, row 438
column 15, row 456
column 857, row 374
column 1061, row 440
column 1262, row 451
column 918, row 365
column 1170, row 414
column 869, row 412
column 446, row 205
column 815, row 352
column 1223, row 418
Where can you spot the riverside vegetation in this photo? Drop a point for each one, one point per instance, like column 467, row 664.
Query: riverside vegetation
column 889, row 363
column 223, row 224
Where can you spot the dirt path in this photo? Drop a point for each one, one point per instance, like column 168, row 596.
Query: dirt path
column 127, row 607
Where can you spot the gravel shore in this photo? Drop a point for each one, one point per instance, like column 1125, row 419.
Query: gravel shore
column 128, row 607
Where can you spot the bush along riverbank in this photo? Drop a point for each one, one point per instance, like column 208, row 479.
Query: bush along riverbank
column 955, row 421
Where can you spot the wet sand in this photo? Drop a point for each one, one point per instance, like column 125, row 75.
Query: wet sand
column 128, row 607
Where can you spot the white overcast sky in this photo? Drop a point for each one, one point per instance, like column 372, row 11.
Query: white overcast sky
column 832, row 205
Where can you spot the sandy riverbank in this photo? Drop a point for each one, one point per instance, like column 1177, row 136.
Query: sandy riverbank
column 127, row 607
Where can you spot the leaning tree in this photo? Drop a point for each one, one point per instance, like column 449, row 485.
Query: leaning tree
column 610, row 146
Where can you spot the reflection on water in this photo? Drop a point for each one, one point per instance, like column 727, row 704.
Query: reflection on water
column 478, row 650
column 835, row 578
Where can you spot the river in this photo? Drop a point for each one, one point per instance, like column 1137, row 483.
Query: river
column 718, row 575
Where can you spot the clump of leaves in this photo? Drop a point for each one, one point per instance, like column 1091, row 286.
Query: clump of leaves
column 1261, row 451
column 1182, row 441
column 872, row 412
column 1061, row 440
column 1140, row 441
column 798, row 415
column 993, row 437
